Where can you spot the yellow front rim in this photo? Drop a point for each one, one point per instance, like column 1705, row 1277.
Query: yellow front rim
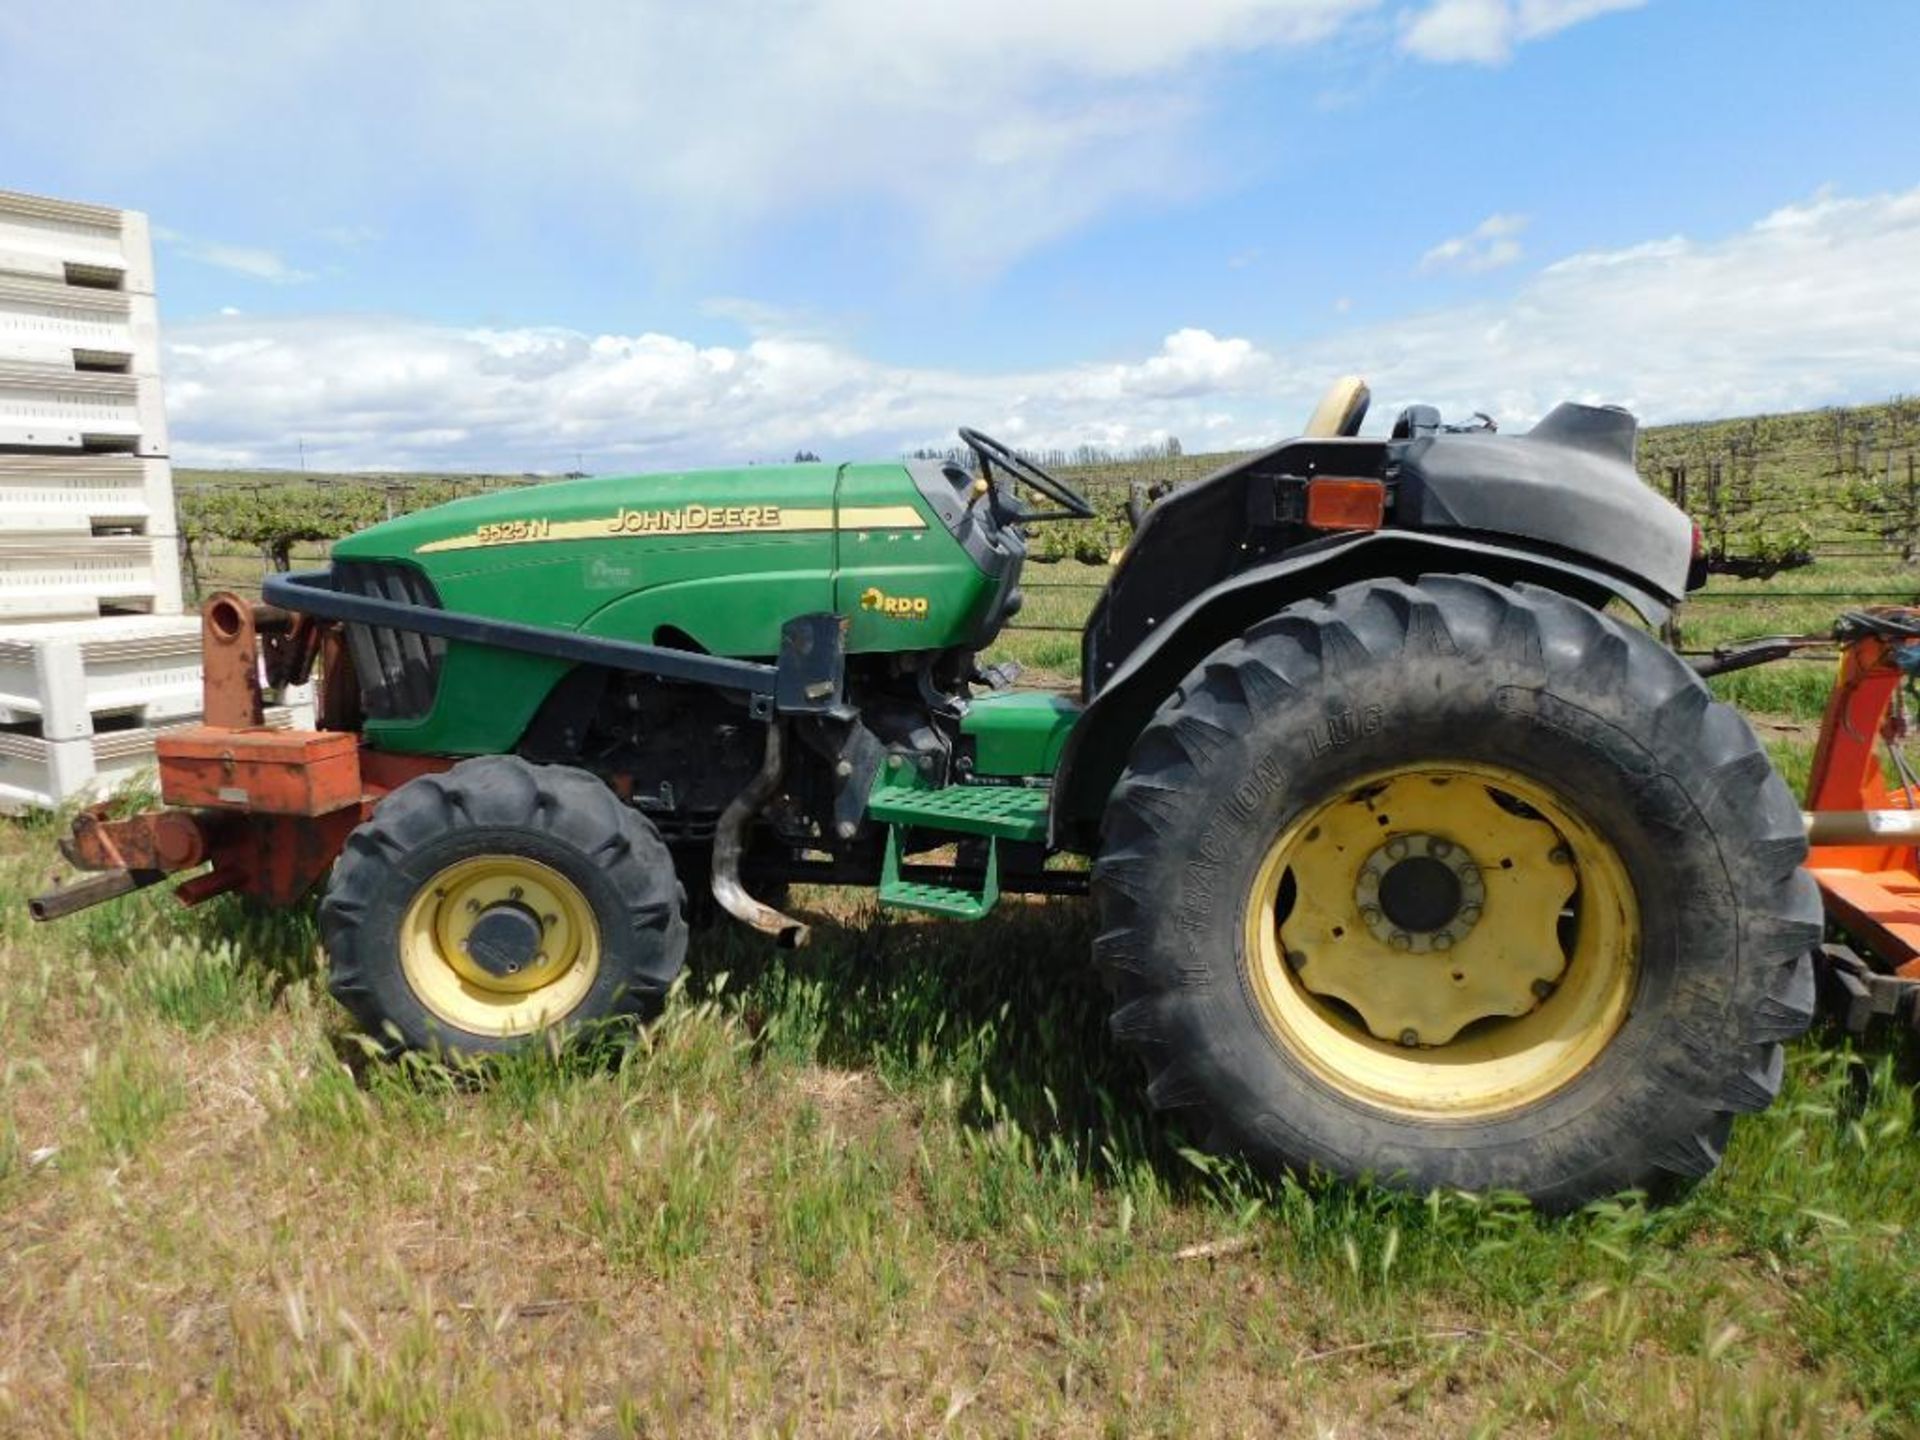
column 437, row 959
column 1443, row 940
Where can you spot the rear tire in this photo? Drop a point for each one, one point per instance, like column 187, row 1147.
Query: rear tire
column 1617, row 933
column 482, row 905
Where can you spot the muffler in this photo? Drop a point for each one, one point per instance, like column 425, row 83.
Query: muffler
column 730, row 843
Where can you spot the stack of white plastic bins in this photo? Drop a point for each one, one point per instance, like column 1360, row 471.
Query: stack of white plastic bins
column 95, row 654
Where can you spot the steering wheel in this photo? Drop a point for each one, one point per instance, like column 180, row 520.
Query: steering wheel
column 1017, row 468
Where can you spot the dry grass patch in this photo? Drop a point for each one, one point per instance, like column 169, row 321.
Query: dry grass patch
column 899, row 1183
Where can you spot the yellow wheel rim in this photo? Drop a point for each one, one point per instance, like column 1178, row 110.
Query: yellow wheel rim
column 438, row 945
column 1445, row 940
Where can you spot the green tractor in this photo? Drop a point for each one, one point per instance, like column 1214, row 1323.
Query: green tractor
column 1411, row 861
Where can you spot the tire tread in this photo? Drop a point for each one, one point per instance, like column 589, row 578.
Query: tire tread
column 1540, row 633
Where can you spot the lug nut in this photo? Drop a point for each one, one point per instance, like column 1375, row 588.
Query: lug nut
column 1370, row 915
column 547, row 922
column 1469, row 914
column 473, row 907
column 1297, row 959
column 515, row 893
column 1409, row 1038
column 1396, row 849
column 1443, row 939
column 1400, row 940
column 1543, row 988
column 1439, row 848
column 1560, row 855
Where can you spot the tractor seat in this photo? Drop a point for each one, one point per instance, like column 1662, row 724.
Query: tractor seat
column 1340, row 410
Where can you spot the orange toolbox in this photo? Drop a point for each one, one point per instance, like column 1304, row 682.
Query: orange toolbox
column 270, row 772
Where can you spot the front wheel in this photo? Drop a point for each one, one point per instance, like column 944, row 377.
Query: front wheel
column 481, row 906
column 1450, row 884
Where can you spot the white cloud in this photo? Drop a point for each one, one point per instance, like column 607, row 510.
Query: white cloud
column 1494, row 242
column 1809, row 306
column 253, row 262
column 1486, row 32
column 364, row 392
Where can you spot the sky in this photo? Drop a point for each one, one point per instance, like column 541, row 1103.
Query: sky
column 622, row 235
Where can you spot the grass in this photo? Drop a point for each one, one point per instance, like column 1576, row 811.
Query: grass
column 900, row 1182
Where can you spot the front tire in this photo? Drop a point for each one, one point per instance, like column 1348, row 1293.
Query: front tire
column 481, row 906
column 1450, row 884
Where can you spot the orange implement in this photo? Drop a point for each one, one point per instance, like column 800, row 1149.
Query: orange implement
column 1863, row 856
column 265, row 811
column 1879, row 909
column 1846, row 773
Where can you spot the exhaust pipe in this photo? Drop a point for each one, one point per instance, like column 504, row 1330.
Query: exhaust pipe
column 730, row 843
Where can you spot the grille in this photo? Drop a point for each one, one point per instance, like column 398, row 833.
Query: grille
column 399, row 671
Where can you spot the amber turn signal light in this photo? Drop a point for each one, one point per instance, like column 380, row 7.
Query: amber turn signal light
column 1341, row 504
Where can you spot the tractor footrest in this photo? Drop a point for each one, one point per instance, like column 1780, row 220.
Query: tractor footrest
column 1006, row 812
column 900, row 893
column 945, row 900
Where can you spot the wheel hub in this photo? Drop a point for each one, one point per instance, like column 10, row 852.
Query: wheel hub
column 499, row 944
column 504, row 940
column 1419, row 932
column 1443, row 939
column 1420, row 893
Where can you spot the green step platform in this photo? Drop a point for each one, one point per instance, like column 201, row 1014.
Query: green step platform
column 998, row 812
column 1006, row 812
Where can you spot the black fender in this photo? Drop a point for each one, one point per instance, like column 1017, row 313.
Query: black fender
column 1096, row 750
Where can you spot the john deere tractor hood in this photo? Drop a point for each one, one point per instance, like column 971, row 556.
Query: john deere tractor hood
column 711, row 560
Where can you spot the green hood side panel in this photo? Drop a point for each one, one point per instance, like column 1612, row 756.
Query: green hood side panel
column 902, row 589
column 1019, row 732
column 722, row 558
column 488, row 697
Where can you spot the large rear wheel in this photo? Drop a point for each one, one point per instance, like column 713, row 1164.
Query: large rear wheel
column 1457, row 885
